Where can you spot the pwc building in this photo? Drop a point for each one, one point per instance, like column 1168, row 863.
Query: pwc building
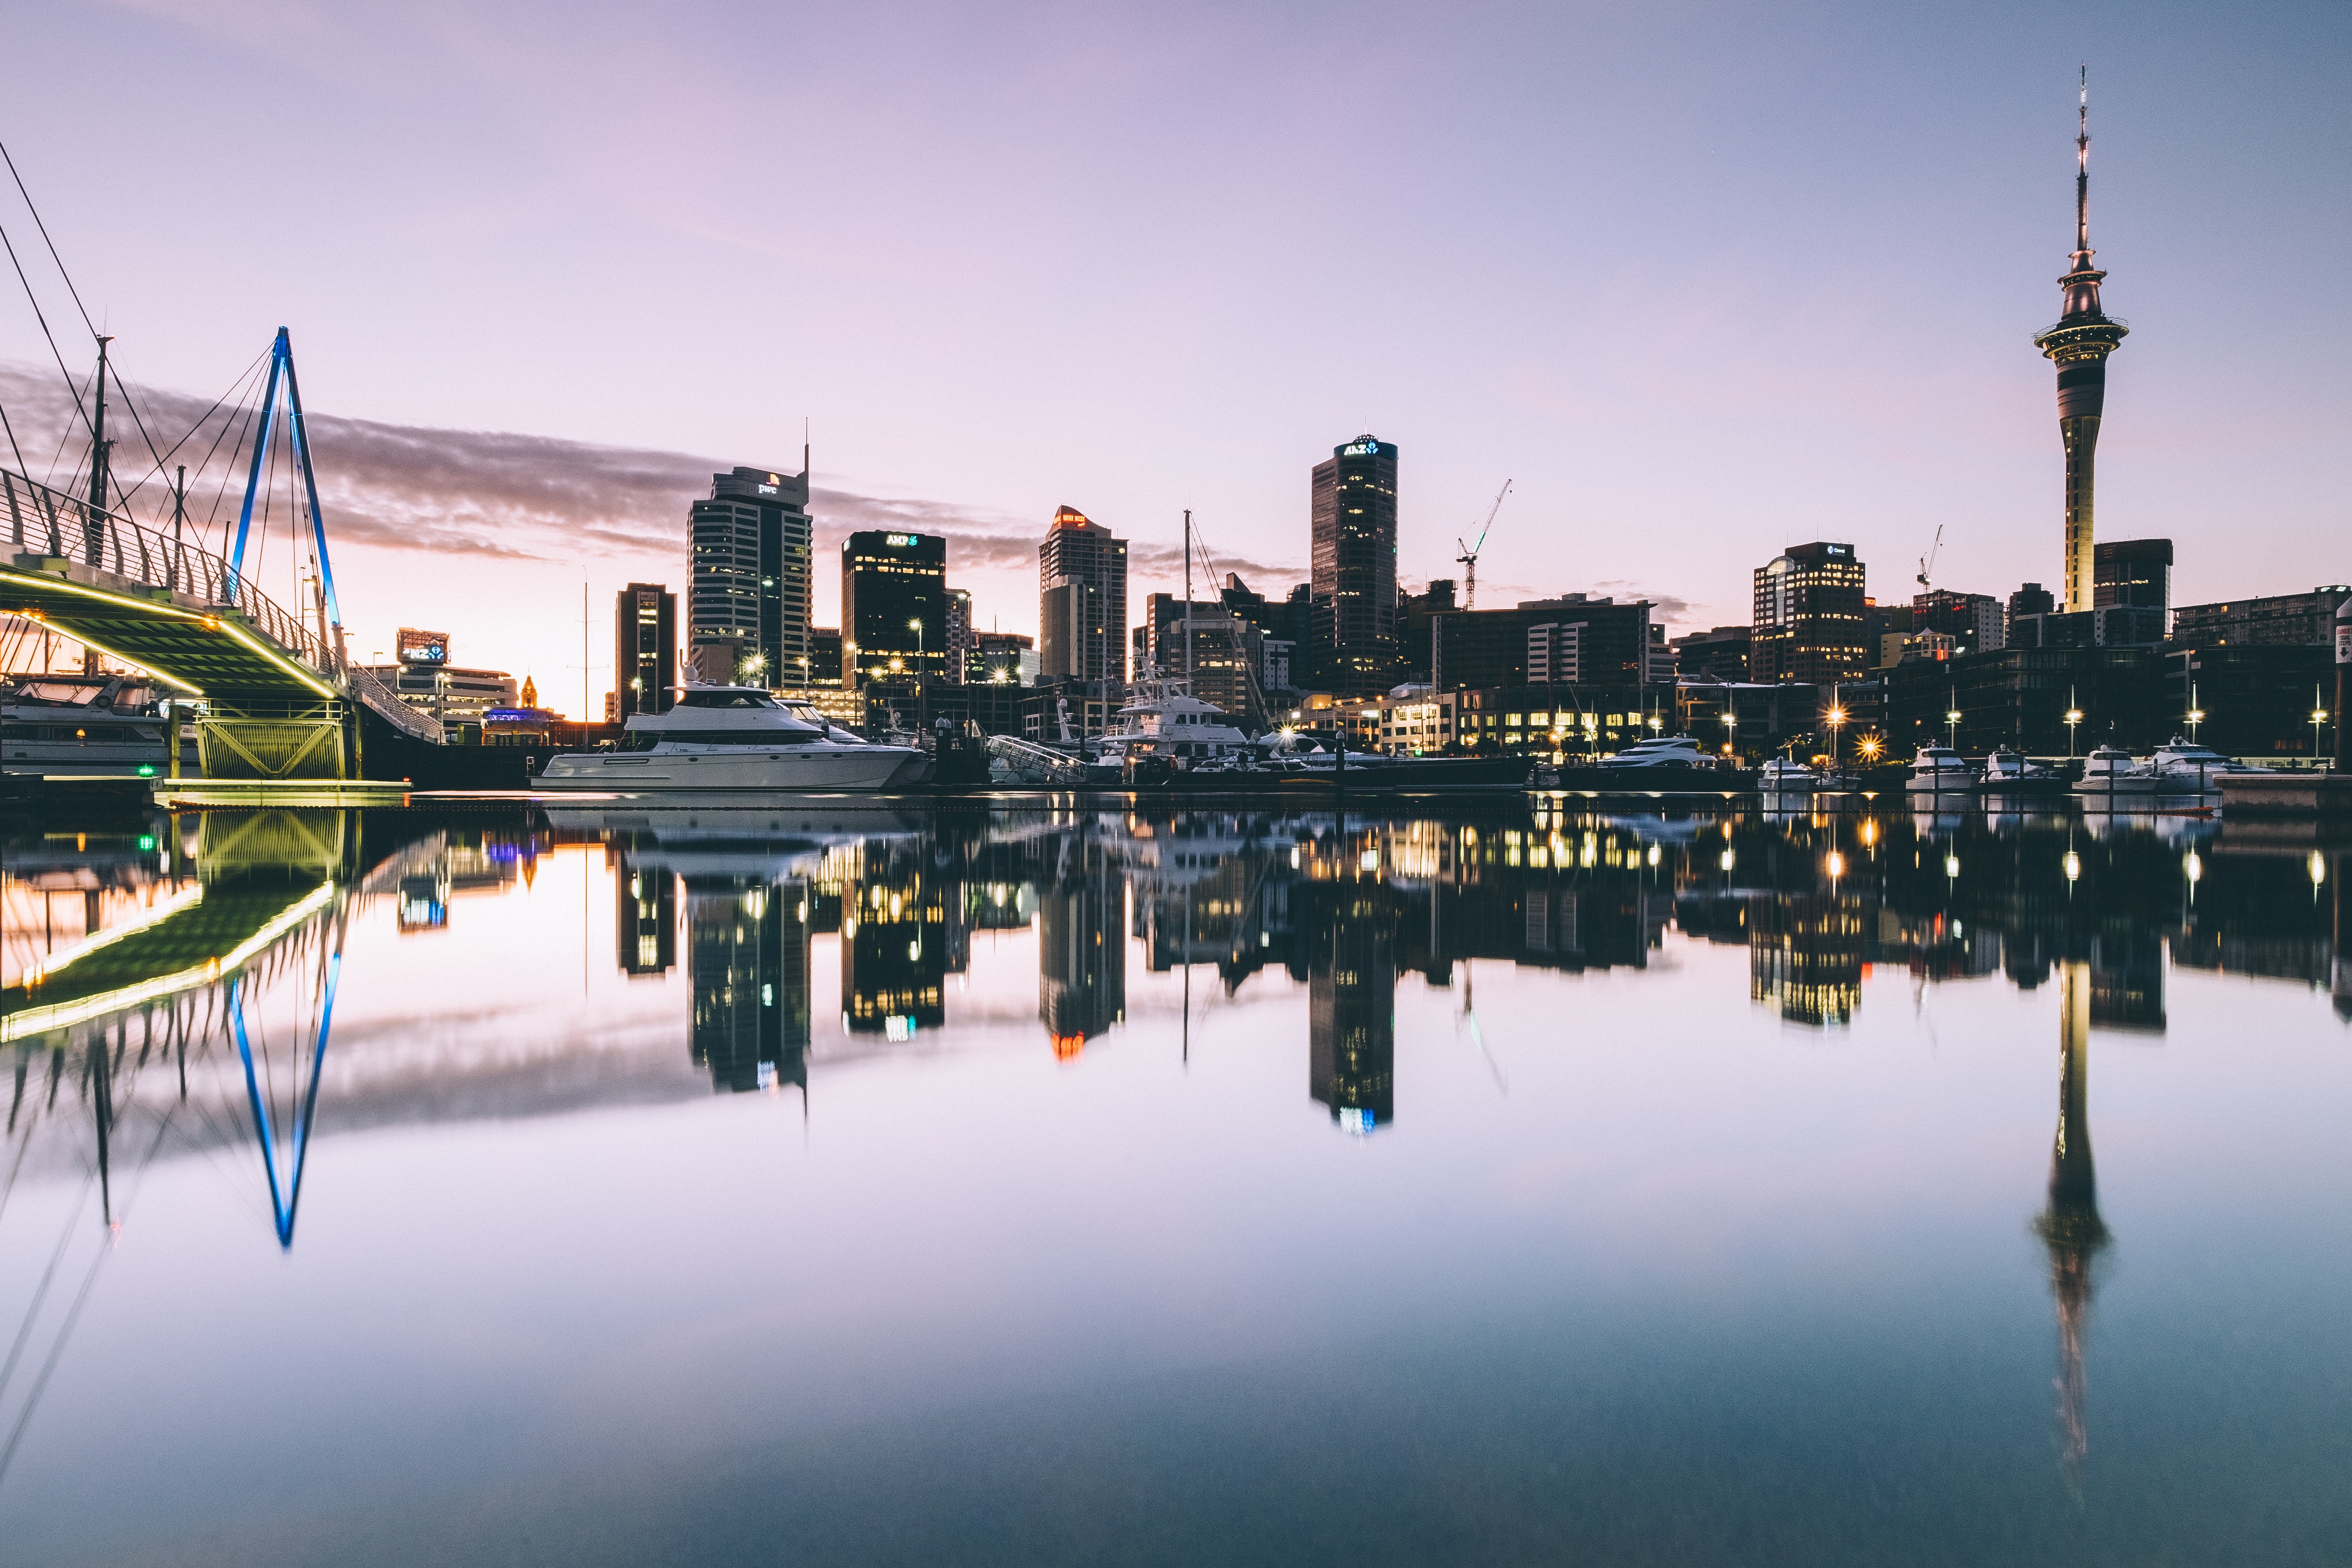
column 747, row 607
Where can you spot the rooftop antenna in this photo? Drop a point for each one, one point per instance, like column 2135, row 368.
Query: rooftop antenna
column 1469, row 556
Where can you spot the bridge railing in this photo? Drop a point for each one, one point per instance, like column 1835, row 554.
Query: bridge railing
column 50, row 523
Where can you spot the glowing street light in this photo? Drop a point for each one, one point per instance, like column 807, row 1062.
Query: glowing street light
column 2074, row 716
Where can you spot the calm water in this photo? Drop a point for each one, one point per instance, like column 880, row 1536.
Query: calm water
column 1020, row 1188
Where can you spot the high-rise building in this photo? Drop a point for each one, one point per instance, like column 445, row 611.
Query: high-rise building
column 748, row 606
column 1352, row 570
column 645, row 649
column 2132, row 572
column 1809, row 621
column 1001, row 659
column 1082, row 600
column 1975, row 622
column 2079, row 346
column 959, row 640
column 894, row 605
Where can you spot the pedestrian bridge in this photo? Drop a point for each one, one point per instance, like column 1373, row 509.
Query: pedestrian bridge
column 279, row 700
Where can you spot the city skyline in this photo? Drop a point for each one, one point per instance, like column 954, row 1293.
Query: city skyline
column 1562, row 359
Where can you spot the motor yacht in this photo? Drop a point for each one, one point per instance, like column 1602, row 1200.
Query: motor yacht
column 2108, row 773
column 733, row 738
column 2186, row 765
column 1939, row 770
column 81, row 724
column 1162, row 719
column 1783, row 776
column 1661, row 751
column 2008, row 774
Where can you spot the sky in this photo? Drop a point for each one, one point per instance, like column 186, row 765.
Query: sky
column 1700, row 280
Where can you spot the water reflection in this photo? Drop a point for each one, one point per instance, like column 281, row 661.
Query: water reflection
column 170, row 985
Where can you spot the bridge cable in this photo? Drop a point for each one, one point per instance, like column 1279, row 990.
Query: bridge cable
column 196, row 428
column 33, row 300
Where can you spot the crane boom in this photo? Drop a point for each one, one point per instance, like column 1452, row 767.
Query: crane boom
column 1469, row 556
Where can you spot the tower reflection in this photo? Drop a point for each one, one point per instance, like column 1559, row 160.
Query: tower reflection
column 1351, row 1012
column 2071, row 1227
column 747, row 956
column 1081, row 946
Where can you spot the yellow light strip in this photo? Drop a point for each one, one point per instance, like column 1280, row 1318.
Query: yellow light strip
column 43, row 1020
column 210, row 622
column 163, row 910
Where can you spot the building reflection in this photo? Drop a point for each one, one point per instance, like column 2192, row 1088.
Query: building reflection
column 1081, row 950
column 644, row 925
column 2071, row 1227
column 895, row 944
column 1352, row 1013
column 747, row 954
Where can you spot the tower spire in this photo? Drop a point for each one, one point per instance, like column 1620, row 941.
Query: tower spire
column 2079, row 346
column 2082, row 170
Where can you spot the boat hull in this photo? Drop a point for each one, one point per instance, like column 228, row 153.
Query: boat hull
column 828, row 769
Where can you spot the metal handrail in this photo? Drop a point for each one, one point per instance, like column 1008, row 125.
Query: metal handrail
column 113, row 542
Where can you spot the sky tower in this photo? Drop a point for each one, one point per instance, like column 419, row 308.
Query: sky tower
column 2079, row 345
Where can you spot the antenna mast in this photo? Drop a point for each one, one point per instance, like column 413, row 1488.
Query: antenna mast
column 2082, row 163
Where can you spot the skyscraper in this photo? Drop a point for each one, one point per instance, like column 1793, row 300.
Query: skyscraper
column 959, row 639
column 748, row 606
column 1081, row 600
column 2132, row 572
column 645, row 649
column 1810, row 618
column 894, row 605
column 1352, row 576
column 2079, row 346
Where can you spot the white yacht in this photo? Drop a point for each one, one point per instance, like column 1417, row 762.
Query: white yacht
column 1783, row 776
column 1939, row 770
column 1162, row 719
column 2186, row 765
column 80, row 724
column 1662, row 752
column 2109, row 772
column 733, row 738
column 2006, row 773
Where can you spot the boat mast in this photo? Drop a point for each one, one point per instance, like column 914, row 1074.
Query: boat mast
column 1188, row 600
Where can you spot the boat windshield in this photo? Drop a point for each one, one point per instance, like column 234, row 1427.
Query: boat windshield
column 725, row 696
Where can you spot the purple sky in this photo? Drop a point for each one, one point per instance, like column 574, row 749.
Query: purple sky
column 1704, row 281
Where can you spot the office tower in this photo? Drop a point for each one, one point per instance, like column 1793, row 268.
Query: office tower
column 1717, row 654
column 1574, row 639
column 1810, row 616
column 748, row 606
column 2132, row 572
column 894, row 605
column 1082, row 601
column 960, row 642
column 1352, row 570
column 645, row 649
column 824, row 656
column 2079, row 346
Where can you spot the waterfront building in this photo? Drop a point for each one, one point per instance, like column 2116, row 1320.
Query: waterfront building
column 2117, row 625
column 1976, row 623
column 2031, row 599
column 1719, row 653
column 1352, row 583
column 1809, row 622
column 2279, row 619
column 644, row 651
column 1416, row 613
column 1082, row 600
column 1574, row 639
column 452, row 693
column 748, row 601
column 2132, row 572
column 824, row 656
column 894, row 609
column 1002, row 658
column 2079, row 345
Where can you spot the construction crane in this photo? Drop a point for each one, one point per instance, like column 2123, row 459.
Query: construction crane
column 1927, row 561
column 1469, row 556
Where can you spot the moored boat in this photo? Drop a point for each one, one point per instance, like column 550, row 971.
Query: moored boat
column 737, row 739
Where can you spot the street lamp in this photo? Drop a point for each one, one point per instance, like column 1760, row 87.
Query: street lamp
column 1869, row 747
column 2319, row 717
column 1952, row 728
column 2074, row 716
column 915, row 626
column 1833, row 717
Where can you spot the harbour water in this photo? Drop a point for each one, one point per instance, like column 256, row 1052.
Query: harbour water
column 1076, row 1186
